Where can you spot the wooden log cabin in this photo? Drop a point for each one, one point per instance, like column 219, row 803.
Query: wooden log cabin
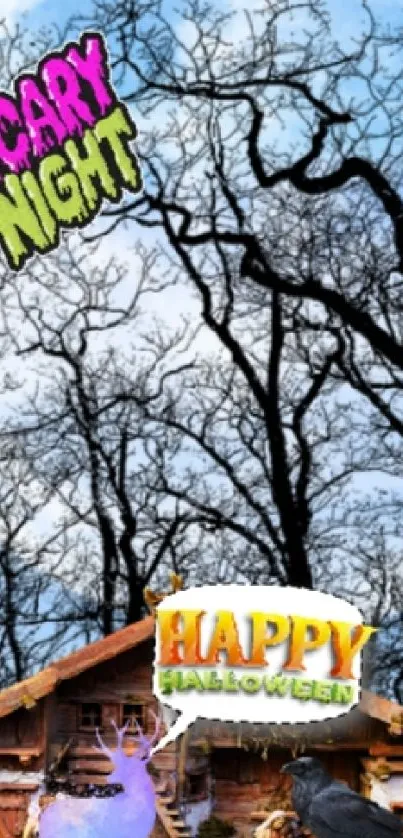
column 47, row 734
column 364, row 749
column 48, row 722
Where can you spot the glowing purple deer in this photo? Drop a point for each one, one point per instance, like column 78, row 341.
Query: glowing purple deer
column 129, row 814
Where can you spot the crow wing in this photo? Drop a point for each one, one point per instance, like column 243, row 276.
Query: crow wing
column 338, row 811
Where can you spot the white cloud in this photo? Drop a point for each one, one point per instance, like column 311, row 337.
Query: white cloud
column 11, row 9
column 170, row 306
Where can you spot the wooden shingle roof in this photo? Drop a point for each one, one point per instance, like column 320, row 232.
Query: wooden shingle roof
column 366, row 722
column 27, row 692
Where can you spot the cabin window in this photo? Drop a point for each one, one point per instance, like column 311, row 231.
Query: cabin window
column 397, row 808
column 134, row 712
column 225, row 765
column 235, row 767
column 90, row 715
column 248, row 768
column 196, row 787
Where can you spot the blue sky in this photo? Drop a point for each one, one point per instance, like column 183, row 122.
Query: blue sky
column 48, row 11
column 35, row 13
column 346, row 25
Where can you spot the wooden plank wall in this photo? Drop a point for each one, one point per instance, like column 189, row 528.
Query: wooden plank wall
column 255, row 782
column 13, row 812
column 110, row 683
column 23, row 728
column 126, row 678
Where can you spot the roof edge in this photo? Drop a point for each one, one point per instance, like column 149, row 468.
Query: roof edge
column 28, row 692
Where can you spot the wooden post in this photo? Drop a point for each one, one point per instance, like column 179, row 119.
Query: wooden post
column 183, row 750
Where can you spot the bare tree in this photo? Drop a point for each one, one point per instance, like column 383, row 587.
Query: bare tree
column 226, row 188
column 237, row 454
column 272, row 167
column 32, row 605
column 82, row 428
column 247, row 218
column 381, row 602
column 40, row 615
column 21, row 48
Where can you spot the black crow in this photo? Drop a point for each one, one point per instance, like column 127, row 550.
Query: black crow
column 332, row 810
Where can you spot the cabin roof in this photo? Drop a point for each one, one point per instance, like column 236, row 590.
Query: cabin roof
column 364, row 722
column 27, row 692
column 379, row 707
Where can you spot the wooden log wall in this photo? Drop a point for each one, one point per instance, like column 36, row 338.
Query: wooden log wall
column 244, row 782
column 124, row 679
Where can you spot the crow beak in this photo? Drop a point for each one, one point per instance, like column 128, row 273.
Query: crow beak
column 286, row 769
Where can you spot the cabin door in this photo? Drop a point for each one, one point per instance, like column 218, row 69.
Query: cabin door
column 13, row 814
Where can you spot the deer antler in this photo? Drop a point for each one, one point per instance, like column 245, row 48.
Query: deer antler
column 120, row 732
column 157, row 728
column 142, row 739
column 153, row 598
column 146, row 742
column 102, row 747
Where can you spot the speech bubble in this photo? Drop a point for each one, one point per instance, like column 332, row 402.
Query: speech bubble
column 306, row 692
